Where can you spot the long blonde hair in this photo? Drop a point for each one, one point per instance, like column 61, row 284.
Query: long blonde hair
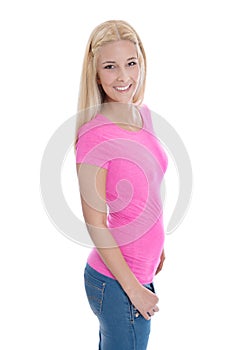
column 91, row 96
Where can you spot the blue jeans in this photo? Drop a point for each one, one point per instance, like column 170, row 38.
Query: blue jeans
column 122, row 327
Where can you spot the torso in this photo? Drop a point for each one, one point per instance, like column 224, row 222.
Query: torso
column 135, row 163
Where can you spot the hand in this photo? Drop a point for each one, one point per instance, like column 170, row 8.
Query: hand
column 162, row 258
column 144, row 301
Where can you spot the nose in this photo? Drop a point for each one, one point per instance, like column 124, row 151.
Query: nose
column 122, row 75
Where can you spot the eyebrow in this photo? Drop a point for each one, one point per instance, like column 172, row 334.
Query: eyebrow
column 128, row 59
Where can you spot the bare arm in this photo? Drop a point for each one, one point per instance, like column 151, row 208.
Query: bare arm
column 92, row 184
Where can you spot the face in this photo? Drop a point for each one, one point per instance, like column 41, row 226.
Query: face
column 118, row 71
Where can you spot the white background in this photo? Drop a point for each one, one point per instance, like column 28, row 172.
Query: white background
column 190, row 74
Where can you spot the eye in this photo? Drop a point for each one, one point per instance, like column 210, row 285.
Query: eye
column 109, row 66
column 132, row 63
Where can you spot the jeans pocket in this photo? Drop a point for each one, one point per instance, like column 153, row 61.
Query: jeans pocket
column 136, row 313
column 149, row 286
column 95, row 292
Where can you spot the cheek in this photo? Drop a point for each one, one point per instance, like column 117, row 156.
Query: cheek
column 136, row 74
column 106, row 78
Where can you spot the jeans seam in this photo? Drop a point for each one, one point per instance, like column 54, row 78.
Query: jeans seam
column 134, row 338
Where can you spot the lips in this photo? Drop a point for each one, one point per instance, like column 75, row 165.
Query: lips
column 123, row 88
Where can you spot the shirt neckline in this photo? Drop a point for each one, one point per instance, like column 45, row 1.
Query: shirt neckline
column 125, row 130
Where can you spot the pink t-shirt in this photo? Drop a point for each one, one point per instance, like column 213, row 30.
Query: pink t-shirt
column 135, row 163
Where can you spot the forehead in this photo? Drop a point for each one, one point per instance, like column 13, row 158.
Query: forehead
column 117, row 50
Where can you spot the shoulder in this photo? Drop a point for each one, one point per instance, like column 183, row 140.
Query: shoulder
column 146, row 113
column 145, row 110
column 92, row 127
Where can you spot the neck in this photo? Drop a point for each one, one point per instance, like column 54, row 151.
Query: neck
column 121, row 112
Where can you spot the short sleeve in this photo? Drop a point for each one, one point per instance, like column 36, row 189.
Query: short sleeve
column 91, row 148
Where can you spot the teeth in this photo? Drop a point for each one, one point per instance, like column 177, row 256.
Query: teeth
column 122, row 88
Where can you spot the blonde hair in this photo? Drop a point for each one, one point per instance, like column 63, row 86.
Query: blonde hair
column 91, row 95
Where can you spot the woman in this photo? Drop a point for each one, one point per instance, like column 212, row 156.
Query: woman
column 120, row 166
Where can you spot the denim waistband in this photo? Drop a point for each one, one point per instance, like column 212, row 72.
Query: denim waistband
column 105, row 278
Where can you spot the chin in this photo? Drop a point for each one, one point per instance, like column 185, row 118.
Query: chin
column 125, row 99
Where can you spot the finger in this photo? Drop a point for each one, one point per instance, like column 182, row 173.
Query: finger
column 152, row 312
column 146, row 316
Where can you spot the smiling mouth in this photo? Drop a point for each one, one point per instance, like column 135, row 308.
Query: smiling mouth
column 123, row 88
